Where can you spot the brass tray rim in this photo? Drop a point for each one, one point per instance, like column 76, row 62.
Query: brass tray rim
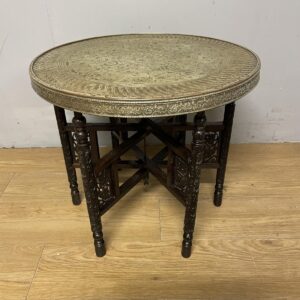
column 42, row 89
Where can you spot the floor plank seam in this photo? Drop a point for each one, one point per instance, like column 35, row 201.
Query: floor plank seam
column 37, row 267
column 246, row 249
column 9, row 181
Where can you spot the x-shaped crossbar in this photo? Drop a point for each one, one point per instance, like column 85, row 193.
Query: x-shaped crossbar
column 179, row 173
column 147, row 164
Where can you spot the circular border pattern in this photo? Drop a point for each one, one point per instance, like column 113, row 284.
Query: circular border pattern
column 145, row 108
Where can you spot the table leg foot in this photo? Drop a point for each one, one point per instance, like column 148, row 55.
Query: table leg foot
column 186, row 249
column 218, row 195
column 100, row 248
column 75, row 196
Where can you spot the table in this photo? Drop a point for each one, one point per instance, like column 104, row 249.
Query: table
column 146, row 84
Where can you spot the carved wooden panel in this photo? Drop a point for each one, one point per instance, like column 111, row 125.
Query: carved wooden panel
column 211, row 155
column 211, row 149
column 180, row 174
column 73, row 143
column 105, row 190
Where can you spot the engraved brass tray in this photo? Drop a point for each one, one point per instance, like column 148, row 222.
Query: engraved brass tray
column 144, row 75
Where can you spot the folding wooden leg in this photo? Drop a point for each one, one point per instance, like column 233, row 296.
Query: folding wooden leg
column 100, row 175
column 181, row 135
column 224, row 148
column 192, row 191
column 67, row 151
column 89, row 181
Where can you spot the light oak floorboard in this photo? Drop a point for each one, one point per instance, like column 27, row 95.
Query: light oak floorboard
column 218, row 269
column 18, row 264
column 5, row 178
column 247, row 249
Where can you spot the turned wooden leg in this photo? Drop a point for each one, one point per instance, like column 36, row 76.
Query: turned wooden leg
column 67, row 151
column 179, row 136
column 89, row 181
column 194, row 166
column 224, row 148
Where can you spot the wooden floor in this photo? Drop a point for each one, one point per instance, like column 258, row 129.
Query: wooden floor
column 247, row 249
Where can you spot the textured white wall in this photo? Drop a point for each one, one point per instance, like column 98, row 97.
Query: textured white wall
column 269, row 27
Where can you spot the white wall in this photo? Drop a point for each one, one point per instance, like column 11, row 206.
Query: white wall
column 269, row 27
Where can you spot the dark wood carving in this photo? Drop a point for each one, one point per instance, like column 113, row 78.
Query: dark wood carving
column 175, row 163
column 73, row 143
column 212, row 145
column 180, row 175
column 193, row 181
column 105, row 188
column 176, row 166
column 89, row 181
column 224, row 148
column 68, row 154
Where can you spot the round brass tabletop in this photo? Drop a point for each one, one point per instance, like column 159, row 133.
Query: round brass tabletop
column 144, row 75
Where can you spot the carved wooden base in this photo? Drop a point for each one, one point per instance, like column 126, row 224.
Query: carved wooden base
column 89, row 181
column 69, row 155
column 194, row 162
column 176, row 166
